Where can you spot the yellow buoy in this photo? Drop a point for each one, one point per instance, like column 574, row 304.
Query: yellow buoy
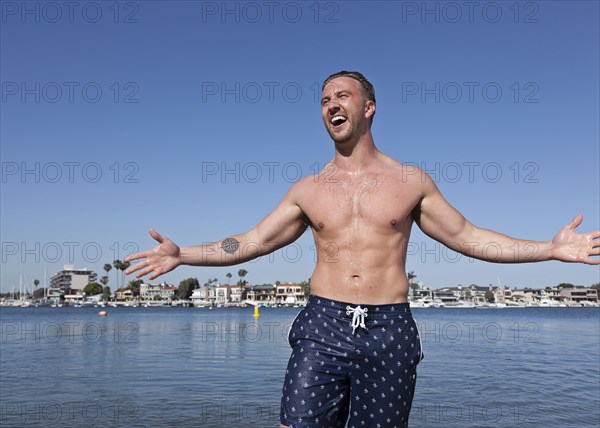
column 256, row 314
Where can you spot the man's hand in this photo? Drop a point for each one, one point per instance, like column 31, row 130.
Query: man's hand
column 568, row 246
column 160, row 260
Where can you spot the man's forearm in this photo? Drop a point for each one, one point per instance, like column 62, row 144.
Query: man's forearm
column 233, row 250
column 495, row 247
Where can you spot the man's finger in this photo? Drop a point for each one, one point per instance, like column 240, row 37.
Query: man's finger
column 156, row 236
column 576, row 222
column 136, row 256
column 134, row 268
column 145, row 271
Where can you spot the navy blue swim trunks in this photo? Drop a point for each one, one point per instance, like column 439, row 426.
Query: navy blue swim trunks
column 354, row 364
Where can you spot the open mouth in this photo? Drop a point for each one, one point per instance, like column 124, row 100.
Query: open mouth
column 338, row 120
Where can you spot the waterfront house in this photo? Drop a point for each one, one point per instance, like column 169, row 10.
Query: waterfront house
column 290, row 294
column 198, row 298
column 263, row 293
column 222, row 294
column 209, row 293
column 580, row 294
column 150, row 291
column 124, row 294
column 74, row 297
column 237, row 293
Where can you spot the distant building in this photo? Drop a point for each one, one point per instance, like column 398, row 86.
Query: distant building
column 236, row 293
column 223, row 293
column 290, row 294
column 580, row 294
column 149, row 291
column 71, row 278
column 527, row 296
column 123, row 294
column 263, row 293
column 198, row 298
column 209, row 293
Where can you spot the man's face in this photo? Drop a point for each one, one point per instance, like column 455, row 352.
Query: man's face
column 343, row 108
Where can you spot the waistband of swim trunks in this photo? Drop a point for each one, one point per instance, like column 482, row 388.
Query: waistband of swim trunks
column 386, row 308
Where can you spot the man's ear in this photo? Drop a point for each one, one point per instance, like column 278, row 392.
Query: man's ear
column 369, row 109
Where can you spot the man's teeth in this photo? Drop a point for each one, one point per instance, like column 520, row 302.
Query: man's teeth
column 337, row 120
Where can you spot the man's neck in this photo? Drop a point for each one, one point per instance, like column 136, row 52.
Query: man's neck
column 355, row 156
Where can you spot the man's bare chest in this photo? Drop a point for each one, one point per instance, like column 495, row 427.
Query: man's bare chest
column 374, row 202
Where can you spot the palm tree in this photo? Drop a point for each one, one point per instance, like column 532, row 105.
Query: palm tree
column 117, row 264
column 107, row 268
column 124, row 266
column 229, row 275
column 412, row 285
column 121, row 266
column 210, row 282
column 411, row 275
column 104, row 280
column 242, row 273
column 306, row 287
column 36, row 282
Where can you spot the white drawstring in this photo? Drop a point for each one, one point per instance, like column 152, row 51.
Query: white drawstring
column 358, row 316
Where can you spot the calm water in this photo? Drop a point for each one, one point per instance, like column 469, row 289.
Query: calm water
column 183, row 367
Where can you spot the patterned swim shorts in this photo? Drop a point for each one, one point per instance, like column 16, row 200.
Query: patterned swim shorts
column 354, row 364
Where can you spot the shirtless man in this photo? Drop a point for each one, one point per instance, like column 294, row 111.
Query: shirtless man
column 355, row 346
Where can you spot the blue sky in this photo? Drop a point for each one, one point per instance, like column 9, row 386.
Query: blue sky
column 195, row 117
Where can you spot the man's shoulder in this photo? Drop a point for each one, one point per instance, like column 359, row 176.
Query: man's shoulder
column 300, row 187
column 407, row 173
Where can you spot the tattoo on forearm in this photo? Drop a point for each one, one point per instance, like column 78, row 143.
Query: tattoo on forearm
column 230, row 245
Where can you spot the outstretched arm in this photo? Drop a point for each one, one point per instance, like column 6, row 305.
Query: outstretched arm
column 281, row 227
column 439, row 220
